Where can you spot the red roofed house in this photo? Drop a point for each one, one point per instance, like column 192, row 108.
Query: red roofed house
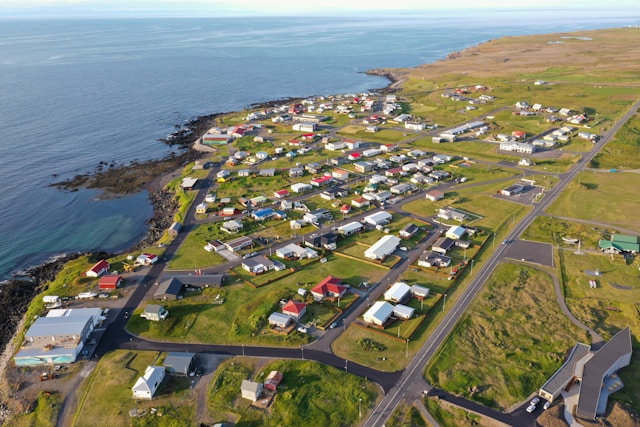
column 147, row 259
column 329, row 287
column 273, row 380
column 345, row 209
column 518, row 134
column 323, row 180
column 98, row 269
column 294, row 309
column 354, row 156
column 110, row 282
column 360, row 202
column 281, row 194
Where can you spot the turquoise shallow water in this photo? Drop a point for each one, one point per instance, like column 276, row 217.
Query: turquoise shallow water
column 77, row 92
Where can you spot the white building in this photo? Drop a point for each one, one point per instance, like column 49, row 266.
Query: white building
column 378, row 218
column 379, row 313
column 403, row 312
column 517, row 147
column 398, row 292
column 350, row 228
column 456, row 232
column 300, row 187
column 383, row 247
column 148, row 384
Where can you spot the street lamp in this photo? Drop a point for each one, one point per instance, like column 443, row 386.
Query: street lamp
column 346, row 365
column 359, row 408
column 302, row 350
column 407, row 354
column 243, row 349
column 472, row 266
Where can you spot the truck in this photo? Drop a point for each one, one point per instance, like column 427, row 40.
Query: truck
column 87, row 295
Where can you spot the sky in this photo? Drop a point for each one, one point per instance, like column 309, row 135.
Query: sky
column 277, row 7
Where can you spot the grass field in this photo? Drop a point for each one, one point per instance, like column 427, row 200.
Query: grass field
column 306, row 396
column 191, row 253
column 552, row 230
column 451, row 416
column 242, row 318
column 512, row 339
column 603, row 197
column 624, row 150
column 105, row 397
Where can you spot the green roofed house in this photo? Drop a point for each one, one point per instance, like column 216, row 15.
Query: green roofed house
column 620, row 243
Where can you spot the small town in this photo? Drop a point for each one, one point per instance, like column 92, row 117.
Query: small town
column 443, row 249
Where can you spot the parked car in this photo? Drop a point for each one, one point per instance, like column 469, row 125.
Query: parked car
column 535, row 401
column 547, row 405
column 333, row 325
column 531, row 408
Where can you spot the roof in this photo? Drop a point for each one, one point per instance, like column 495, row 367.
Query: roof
column 329, row 284
column 294, row 307
column 153, row 308
column 618, row 245
column 380, row 311
column 383, row 247
column 152, row 377
column 276, row 317
column 419, row 290
column 350, row 227
column 378, row 217
column 179, row 362
column 251, row 386
column 198, row 279
column 403, row 311
column 99, row 266
column 598, row 367
column 565, row 373
column 170, row 286
column 397, row 292
column 622, row 238
column 443, row 243
column 410, row 229
column 109, row 280
column 61, row 324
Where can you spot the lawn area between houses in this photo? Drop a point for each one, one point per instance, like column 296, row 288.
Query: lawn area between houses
column 306, row 396
column 105, row 397
column 191, row 253
column 607, row 308
column 242, row 318
column 512, row 339
column 609, row 198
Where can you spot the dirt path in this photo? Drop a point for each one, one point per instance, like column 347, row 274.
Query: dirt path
column 70, row 403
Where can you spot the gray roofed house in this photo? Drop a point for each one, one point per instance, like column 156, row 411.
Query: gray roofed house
column 442, row 245
column 168, row 289
column 280, row 320
column 251, row 390
column 179, row 363
column 408, row 231
column 561, row 378
column 614, row 355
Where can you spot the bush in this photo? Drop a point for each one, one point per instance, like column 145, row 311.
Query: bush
column 367, row 344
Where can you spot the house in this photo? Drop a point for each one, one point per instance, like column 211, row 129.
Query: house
column 58, row 337
column 377, row 179
column 238, row 244
column 281, row 194
column 147, row 259
column 340, row 174
column 363, row 167
column 360, row 202
column 262, row 214
column 408, row 231
column 350, row 228
column 154, row 312
column 329, row 287
column 434, row 259
column 273, row 380
column 442, row 245
column 293, row 251
column 188, row 183
column 300, row 187
column 378, row 218
column 198, row 280
column 371, row 152
column 517, row 147
column 335, row 146
column 403, row 312
column 398, row 293
column 297, row 224
column 214, row 246
column 294, row 309
column 251, row 390
column 379, row 313
column 223, row 175
column 383, row 247
column 233, row 226
column 179, row 363
column 620, row 243
column 345, row 209
column 451, row 214
column 382, row 196
column 512, row 190
column 168, row 289
column 147, row 385
column 201, row 208
column 98, row 269
column 456, row 232
column 279, row 320
column 401, row 188
column 296, row 172
column 326, row 241
column 435, row 195
column 110, row 282
column 354, row 156
column 419, row 292
column 257, row 264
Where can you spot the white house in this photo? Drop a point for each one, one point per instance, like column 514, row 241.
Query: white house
column 251, row 390
column 419, row 292
column 300, row 187
column 456, row 232
column 378, row 218
column 383, row 247
column 148, row 384
column 398, row 292
column 350, row 228
column 403, row 312
column 379, row 313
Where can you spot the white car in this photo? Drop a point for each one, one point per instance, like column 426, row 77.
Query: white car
column 547, row 405
column 531, row 408
column 535, row 401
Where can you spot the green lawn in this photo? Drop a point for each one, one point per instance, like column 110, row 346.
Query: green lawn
column 105, row 397
column 511, row 340
column 552, row 230
column 306, row 396
column 191, row 253
column 605, row 197
column 624, row 151
column 242, row 318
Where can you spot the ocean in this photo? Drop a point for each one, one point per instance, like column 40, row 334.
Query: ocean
column 77, row 92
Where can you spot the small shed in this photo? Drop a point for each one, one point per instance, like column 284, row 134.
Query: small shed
column 280, row 320
column 273, row 380
column 179, row 363
column 251, row 390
